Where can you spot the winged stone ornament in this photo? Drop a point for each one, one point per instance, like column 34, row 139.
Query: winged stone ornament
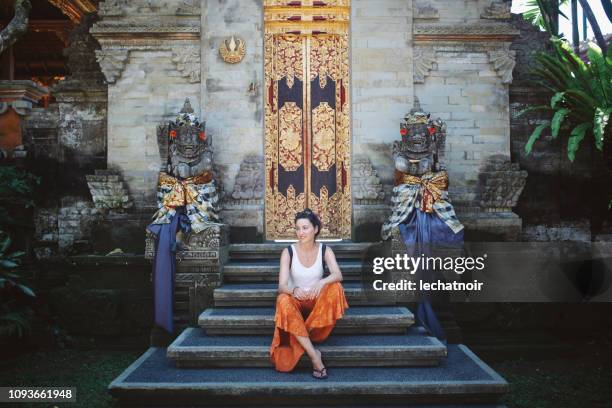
column 232, row 50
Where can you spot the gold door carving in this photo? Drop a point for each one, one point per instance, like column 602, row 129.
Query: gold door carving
column 307, row 109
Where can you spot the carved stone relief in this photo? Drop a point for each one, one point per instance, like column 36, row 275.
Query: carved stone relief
column 187, row 61
column 424, row 61
column 501, row 183
column 112, row 62
column 425, row 12
column 503, row 61
column 498, row 10
column 367, row 187
column 249, row 182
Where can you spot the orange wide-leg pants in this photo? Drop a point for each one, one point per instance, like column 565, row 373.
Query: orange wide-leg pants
column 314, row 318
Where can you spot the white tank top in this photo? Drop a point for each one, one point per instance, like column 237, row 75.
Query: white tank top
column 302, row 277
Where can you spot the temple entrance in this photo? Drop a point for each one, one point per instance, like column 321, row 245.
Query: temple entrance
column 307, row 117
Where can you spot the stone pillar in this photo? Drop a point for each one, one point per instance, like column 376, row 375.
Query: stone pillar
column 82, row 106
column 233, row 104
column 150, row 57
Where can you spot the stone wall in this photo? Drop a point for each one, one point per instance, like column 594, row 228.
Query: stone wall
column 382, row 77
column 233, row 104
column 150, row 56
column 65, row 142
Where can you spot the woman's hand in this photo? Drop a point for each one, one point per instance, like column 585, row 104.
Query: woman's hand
column 316, row 289
column 300, row 294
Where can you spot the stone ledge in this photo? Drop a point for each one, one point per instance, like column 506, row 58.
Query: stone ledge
column 461, row 379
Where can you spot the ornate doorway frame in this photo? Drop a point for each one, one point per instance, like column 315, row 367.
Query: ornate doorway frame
column 307, row 115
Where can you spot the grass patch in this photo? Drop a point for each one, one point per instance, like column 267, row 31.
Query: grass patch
column 89, row 371
column 554, row 384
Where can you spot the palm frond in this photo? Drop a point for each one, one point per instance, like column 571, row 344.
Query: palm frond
column 535, row 136
column 573, row 144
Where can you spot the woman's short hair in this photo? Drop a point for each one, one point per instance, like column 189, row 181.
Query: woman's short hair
column 309, row 215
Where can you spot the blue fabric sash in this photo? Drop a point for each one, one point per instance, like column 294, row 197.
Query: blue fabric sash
column 164, row 266
column 420, row 233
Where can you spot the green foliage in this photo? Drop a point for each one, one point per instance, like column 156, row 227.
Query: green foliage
column 542, row 13
column 14, row 317
column 582, row 95
column 16, row 193
column 16, row 190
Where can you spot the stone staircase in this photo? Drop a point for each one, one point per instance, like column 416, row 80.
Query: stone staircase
column 376, row 355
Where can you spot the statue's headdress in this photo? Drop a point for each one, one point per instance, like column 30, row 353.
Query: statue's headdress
column 416, row 141
column 186, row 117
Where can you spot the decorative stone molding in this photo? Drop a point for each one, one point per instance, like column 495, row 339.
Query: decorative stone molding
column 249, row 183
column 142, row 28
column 20, row 95
column 501, row 184
column 158, row 7
column 112, row 8
column 147, row 25
column 204, row 249
column 498, row 10
column 425, row 12
column 424, row 60
column 367, row 188
column 187, row 61
column 112, row 62
column 490, row 31
column 108, row 191
column 503, row 61
column 189, row 7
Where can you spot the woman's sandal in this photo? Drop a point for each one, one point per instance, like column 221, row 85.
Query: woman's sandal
column 322, row 373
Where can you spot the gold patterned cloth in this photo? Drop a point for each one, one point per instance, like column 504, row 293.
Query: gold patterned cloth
column 197, row 194
column 430, row 188
column 428, row 193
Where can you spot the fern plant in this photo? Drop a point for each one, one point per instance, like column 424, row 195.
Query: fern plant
column 14, row 317
column 582, row 96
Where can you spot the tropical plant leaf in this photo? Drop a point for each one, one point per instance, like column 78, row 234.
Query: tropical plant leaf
column 8, row 264
column 558, row 97
column 600, row 121
column 557, row 120
column 12, row 323
column 16, row 254
column 532, row 109
column 535, row 136
column 26, row 290
column 5, row 243
column 573, row 144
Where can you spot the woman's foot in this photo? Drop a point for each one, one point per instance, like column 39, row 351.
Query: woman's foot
column 318, row 368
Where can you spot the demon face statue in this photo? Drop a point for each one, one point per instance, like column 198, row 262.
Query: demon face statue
column 188, row 148
column 422, row 140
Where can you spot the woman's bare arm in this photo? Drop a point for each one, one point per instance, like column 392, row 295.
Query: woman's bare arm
column 335, row 275
column 283, row 276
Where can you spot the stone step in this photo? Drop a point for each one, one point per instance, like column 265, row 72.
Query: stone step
column 460, row 380
column 343, row 250
column 260, row 320
column 195, row 348
column 268, row 270
column 264, row 294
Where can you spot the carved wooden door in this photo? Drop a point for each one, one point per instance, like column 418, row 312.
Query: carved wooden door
column 307, row 132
